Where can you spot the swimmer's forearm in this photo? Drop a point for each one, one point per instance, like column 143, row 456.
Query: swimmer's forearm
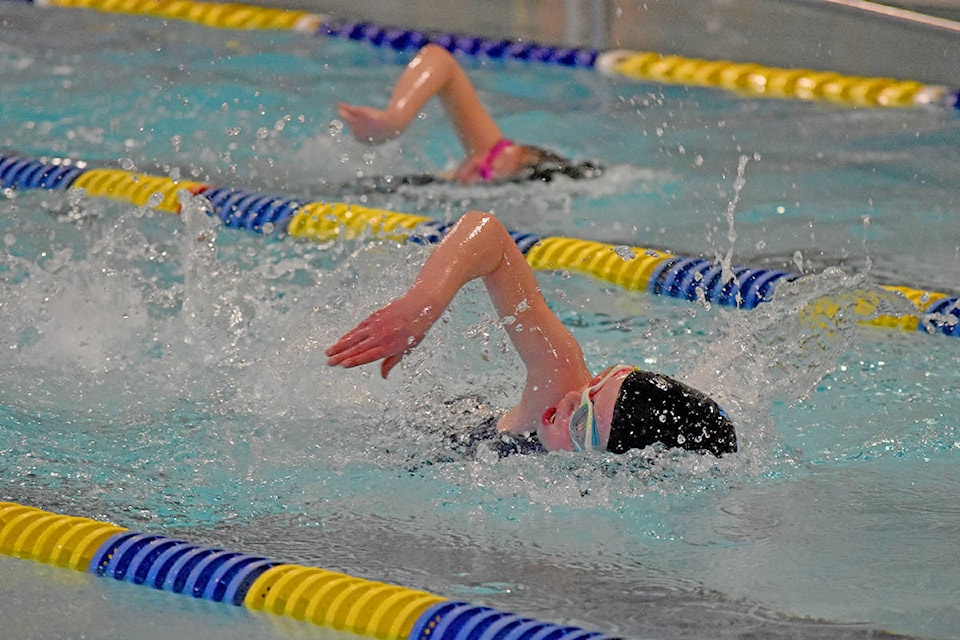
column 478, row 246
column 425, row 76
column 434, row 71
column 473, row 248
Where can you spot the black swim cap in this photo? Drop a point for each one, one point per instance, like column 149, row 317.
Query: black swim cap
column 547, row 165
column 656, row 408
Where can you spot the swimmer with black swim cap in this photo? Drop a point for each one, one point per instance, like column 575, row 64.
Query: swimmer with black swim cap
column 647, row 408
column 621, row 409
column 490, row 157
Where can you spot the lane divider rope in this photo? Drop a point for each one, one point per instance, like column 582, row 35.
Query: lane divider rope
column 633, row 268
column 743, row 78
column 326, row 598
column 219, row 15
column 756, row 80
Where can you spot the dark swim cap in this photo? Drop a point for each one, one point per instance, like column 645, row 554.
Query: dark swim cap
column 655, row 408
column 547, row 165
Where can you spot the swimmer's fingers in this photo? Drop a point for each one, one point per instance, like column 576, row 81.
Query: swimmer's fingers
column 385, row 334
column 356, row 348
column 359, row 356
column 344, row 348
column 350, row 339
column 367, row 124
column 348, row 112
column 389, row 363
column 365, row 353
column 368, row 343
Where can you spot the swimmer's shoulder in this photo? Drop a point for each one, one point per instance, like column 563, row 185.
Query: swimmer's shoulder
column 503, row 443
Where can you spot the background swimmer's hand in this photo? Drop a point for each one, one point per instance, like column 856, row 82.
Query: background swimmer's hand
column 387, row 334
column 369, row 125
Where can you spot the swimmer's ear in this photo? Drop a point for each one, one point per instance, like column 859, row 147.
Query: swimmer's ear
column 389, row 363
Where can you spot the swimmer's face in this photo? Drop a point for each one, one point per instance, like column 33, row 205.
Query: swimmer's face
column 554, row 431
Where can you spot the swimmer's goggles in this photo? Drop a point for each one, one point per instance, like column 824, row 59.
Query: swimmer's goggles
column 486, row 167
column 583, row 421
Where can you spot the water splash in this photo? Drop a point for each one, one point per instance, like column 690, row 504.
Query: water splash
column 729, row 214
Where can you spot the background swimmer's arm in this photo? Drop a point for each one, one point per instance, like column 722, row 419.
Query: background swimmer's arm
column 434, row 71
column 477, row 246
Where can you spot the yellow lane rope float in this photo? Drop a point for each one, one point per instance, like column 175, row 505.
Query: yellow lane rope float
column 757, row 80
column 210, row 14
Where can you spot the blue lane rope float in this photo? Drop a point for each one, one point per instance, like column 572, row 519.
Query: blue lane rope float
column 465, row 621
column 178, row 566
column 633, row 268
column 336, row 600
column 743, row 78
column 497, row 49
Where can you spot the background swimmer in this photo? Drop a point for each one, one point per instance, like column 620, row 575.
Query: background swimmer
column 620, row 409
column 489, row 155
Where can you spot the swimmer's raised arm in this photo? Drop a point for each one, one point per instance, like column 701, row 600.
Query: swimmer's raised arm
column 434, row 71
column 477, row 246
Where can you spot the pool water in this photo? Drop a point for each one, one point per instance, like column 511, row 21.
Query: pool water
column 166, row 374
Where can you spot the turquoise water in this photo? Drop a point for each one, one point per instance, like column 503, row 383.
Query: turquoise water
column 167, row 375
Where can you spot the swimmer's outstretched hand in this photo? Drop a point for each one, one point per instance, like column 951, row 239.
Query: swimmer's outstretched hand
column 368, row 125
column 387, row 334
